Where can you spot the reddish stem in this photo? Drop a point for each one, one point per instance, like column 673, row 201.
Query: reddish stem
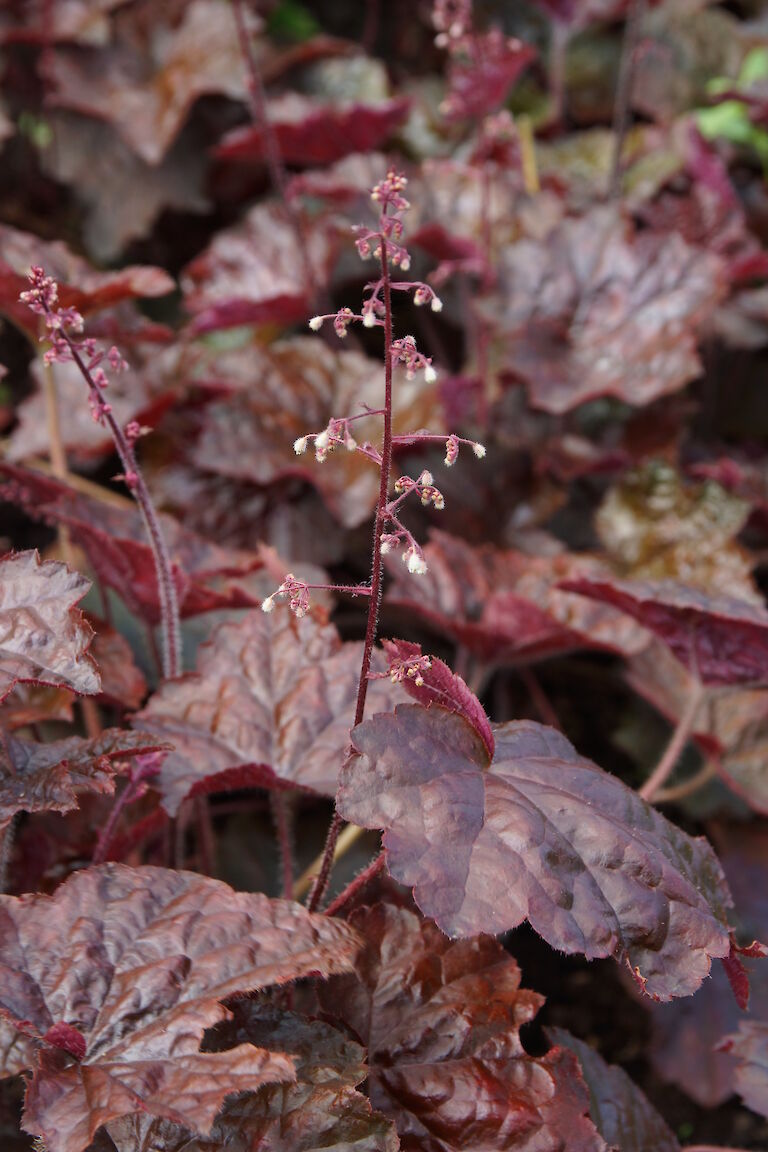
column 377, row 568
column 677, row 743
column 624, row 92
column 105, row 836
column 357, row 884
column 169, row 603
column 275, row 166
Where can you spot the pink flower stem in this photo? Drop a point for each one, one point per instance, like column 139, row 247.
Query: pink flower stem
column 621, row 108
column 166, row 586
column 377, row 568
column 127, row 795
column 277, row 173
column 677, row 743
column 357, row 884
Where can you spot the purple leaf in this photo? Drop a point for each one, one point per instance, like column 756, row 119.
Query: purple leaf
column 441, row 1021
column 538, row 833
column 719, row 638
column 43, row 635
column 138, row 962
column 271, row 705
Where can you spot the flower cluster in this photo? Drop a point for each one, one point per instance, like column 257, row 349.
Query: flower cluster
column 62, row 325
column 410, row 669
column 385, row 244
column 296, row 591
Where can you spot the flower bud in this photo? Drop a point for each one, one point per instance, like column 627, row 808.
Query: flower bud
column 429, row 374
column 300, row 445
column 268, row 605
column 316, row 323
column 479, row 450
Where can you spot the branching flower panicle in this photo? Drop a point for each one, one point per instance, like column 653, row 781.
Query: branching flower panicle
column 63, row 331
column 385, row 244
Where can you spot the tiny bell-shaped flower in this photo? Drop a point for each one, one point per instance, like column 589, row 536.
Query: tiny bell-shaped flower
column 479, row 450
column 429, row 374
column 451, row 450
column 316, row 323
column 300, row 445
column 268, row 605
column 414, row 560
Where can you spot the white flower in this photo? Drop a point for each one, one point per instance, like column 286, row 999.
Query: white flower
column 437, row 304
column 416, row 562
column 316, row 323
column 479, row 450
column 429, row 374
column 321, row 440
column 268, row 605
column 300, row 445
column 369, row 320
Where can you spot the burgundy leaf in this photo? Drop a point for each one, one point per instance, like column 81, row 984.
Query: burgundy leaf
column 138, row 961
column 146, row 81
column 122, row 681
column 77, row 20
column 538, row 833
column 255, row 272
column 320, row 1110
column 43, row 777
column 302, row 384
column 750, row 1047
column 481, row 75
column 121, row 195
column 430, row 681
column 113, row 536
column 506, row 605
column 595, row 310
column 80, row 286
column 687, row 1033
column 309, row 132
column 622, row 1114
column 34, row 704
column 441, row 1021
column 141, row 393
column 271, row 705
column 43, row 635
column 719, row 638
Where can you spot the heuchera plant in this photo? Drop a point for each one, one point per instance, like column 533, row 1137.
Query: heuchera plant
column 274, row 878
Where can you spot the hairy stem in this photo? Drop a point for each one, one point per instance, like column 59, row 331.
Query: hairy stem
column 275, row 166
column 624, row 92
column 169, row 603
column 377, row 566
column 357, row 884
column 347, row 839
column 677, row 743
column 58, row 457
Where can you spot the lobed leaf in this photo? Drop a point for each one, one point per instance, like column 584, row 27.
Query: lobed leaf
column 311, row 132
column 441, row 1022
column 320, row 1110
column 622, row 1114
column 750, row 1047
column 721, row 639
column 288, row 389
column 113, row 536
column 508, row 606
column 270, row 705
column 595, row 309
column 135, row 962
column 38, row 777
column 538, row 833
column 43, row 635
